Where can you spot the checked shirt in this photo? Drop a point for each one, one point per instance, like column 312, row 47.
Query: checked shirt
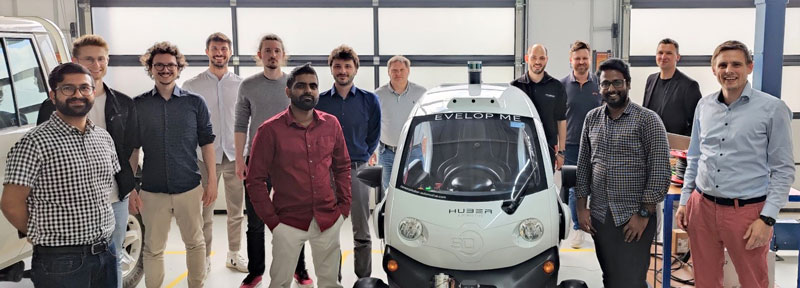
column 623, row 163
column 69, row 174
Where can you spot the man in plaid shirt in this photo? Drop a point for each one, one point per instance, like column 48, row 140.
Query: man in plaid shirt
column 57, row 182
column 623, row 164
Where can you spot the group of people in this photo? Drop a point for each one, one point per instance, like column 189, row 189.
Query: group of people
column 289, row 154
column 740, row 161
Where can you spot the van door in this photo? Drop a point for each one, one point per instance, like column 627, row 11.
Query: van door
column 23, row 87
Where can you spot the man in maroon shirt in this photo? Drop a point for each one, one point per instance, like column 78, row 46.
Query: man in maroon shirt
column 304, row 206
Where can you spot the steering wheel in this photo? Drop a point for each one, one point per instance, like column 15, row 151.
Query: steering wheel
column 472, row 177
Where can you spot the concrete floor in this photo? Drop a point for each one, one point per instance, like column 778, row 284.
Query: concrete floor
column 575, row 263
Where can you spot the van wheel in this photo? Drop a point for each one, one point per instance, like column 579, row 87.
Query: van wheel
column 132, row 265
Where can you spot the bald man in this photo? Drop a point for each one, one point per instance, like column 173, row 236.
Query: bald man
column 549, row 98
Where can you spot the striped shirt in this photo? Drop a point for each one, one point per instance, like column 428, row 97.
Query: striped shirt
column 623, row 163
column 69, row 173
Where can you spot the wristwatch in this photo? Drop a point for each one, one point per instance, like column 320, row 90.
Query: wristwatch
column 561, row 152
column 644, row 213
column 768, row 220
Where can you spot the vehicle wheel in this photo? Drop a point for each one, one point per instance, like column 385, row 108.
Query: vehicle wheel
column 132, row 265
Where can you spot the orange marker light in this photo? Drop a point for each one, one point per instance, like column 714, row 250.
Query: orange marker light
column 392, row 266
column 549, row 267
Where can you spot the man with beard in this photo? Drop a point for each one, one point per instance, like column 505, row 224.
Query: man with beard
column 359, row 113
column 740, row 170
column 172, row 123
column 549, row 98
column 220, row 88
column 670, row 93
column 261, row 96
column 582, row 95
column 303, row 152
column 115, row 112
column 623, row 165
column 57, row 182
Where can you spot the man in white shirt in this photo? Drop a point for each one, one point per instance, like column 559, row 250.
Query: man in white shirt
column 219, row 88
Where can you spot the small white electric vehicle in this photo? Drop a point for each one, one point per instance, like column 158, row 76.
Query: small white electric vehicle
column 471, row 201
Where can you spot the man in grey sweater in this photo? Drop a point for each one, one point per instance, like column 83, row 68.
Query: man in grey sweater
column 261, row 96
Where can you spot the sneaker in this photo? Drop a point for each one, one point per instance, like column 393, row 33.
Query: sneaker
column 302, row 279
column 236, row 261
column 251, row 282
column 576, row 239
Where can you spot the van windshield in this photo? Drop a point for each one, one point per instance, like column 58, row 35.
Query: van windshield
column 472, row 156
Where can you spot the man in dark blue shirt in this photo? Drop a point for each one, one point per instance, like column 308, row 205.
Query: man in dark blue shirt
column 173, row 123
column 359, row 112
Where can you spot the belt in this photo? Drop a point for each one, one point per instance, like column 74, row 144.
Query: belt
column 390, row 147
column 732, row 202
column 93, row 249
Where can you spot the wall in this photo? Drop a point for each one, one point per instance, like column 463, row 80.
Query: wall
column 557, row 24
column 61, row 12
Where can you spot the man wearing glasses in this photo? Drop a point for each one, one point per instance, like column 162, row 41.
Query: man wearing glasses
column 172, row 124
column 114, row 112
column 58, row 177
column 623, row 164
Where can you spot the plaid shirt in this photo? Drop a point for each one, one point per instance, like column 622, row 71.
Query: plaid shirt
column 69, row 174
column 623, row 163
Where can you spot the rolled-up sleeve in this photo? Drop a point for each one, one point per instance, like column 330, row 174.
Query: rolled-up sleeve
column 205, row 133
column 780, row 160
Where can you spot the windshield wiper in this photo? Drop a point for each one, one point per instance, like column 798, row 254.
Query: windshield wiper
column 510, row 206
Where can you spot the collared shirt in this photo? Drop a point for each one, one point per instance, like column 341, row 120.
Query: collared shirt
column 360, row 117
column 580, row 100
column 220, row 96
column 395, row 108
column 550, row 100
column 259, row 99
column 169, row 132
column 623, row 163
column 302, row 163
column 69, row 173
column 741, row 151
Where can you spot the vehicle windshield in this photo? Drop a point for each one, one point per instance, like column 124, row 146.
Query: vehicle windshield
column 472, row 157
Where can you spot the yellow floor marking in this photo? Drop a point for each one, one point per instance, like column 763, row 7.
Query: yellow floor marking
column 346, row 253
column 576, row 250
column 185, row 273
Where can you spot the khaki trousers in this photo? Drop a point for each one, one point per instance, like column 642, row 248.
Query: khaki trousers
column 157, row 211
column 234, row 198
column 286, row 244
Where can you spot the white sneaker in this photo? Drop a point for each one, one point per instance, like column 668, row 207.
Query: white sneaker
column 576, row 239
column 236, row 261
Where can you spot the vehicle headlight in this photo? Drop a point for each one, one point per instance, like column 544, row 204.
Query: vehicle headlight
column 531, row 229
column 410, row 229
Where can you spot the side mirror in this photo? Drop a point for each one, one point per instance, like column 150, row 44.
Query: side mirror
column 371, row 175
column 568, row 177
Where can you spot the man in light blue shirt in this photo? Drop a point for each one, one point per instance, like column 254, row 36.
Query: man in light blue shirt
column 740, row 168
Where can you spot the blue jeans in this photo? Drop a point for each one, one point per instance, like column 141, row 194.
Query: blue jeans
column 118, row 236
column 387, row 161
column 571, row 158
column 71, row 267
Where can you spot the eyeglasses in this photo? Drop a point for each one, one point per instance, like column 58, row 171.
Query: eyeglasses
column 619, row 83
column 69, row 90
column 161, row 66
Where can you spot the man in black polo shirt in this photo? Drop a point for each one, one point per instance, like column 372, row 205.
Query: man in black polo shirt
column 549, row 98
